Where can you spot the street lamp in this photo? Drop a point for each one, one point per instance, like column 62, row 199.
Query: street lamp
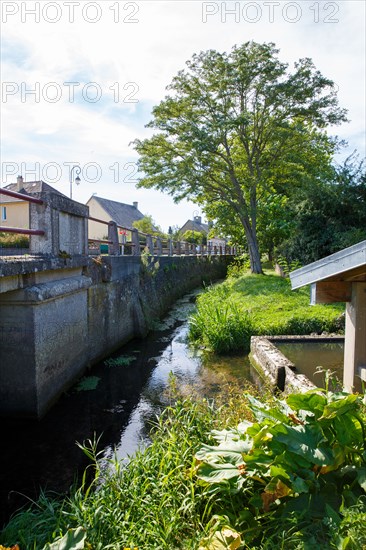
column 77, row 179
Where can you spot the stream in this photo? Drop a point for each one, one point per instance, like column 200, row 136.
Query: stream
column 116, row 400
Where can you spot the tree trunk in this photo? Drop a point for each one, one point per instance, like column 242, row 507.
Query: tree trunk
column 253, row 248
column 270, row 253
column 254, row 254
column 255, row 259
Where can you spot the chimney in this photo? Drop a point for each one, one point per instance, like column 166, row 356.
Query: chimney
column 198, row 219
column 19, row 183
column 135, row 204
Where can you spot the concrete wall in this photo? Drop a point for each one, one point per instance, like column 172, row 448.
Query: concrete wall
column 59, row 316
column 274, row 368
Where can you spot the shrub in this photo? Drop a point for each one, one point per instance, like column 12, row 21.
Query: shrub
column 296, row 474
column 12, row 240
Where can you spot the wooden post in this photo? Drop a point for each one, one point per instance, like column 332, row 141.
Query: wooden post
column 113, row 249
column 136, row 250
column 170, row 247
column 355, row 339
column 178, row 249
column 159, row 246
column 186, row 249
column 149, row 244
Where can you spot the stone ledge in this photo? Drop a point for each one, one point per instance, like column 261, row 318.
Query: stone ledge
column 274, row 367
column 13, row 265
column 47, row 291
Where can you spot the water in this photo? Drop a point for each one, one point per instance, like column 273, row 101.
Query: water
column 307, row 356
column 129, row 390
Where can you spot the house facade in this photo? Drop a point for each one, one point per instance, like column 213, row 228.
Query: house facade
column 14, row 212
column 107, row 210
column 195, row 225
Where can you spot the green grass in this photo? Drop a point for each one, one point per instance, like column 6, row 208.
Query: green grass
column 228, row 314
column 152, row 503
column 156, row 501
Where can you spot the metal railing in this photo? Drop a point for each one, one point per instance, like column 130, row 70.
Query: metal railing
column 14, row 248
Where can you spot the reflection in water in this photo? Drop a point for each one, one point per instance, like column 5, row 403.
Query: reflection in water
column 130, row 390
column 307, row 356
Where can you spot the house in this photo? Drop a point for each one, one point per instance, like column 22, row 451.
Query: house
column 195, row 225
column 341, row 277
column 14, row 212
column 107, row 210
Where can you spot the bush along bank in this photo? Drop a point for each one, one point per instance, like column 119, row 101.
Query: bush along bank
column 228, row 314
column 293, row 479
column 290, row 475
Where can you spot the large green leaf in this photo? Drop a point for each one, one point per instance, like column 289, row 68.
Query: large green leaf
column 304, row 441
column 263, row 412
column 348, row 430
column 312, row 401
column 217, row 473
column 341, row 406
column 73, row 540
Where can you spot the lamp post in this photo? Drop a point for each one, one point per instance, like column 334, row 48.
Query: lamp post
column 77, row 179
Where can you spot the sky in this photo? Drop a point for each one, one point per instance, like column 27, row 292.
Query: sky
column 80, row 79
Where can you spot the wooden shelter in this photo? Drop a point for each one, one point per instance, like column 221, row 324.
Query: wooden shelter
column 341, row 277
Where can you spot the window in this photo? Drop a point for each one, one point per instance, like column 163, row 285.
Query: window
column 3, row 213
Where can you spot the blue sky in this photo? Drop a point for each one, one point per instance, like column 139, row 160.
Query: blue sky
column 118, row 57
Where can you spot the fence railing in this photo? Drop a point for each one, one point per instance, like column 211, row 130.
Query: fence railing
column 54, row 222
column 142, row 243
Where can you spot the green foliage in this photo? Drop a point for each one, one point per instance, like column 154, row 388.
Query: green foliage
column 328, row 216
column 153, row 502
column 239, row 266
column 73, row 540
column 121, row 361
column 288, row 266
column 228, row 328
column 238, row 129
column 147, row 225
column 88, row 383
column 194, row 237
column 12, row 240
column 150, row 265
column 301, row 459
column 257, row 305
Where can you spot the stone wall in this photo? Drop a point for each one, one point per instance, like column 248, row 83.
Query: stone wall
column 59, row 316
column 274, row 368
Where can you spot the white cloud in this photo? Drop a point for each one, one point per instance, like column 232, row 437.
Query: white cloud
column 149, row 53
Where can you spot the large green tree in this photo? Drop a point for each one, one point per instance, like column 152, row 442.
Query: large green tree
column 329, row 216
column 236, row 124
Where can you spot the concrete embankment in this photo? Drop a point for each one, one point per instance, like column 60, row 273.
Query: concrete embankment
column 59, row 316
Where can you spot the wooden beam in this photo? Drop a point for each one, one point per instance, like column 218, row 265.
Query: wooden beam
column 327, row 292
column 355, row 339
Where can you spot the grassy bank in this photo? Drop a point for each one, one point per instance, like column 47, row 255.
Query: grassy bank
column 228, row 314
column 153, row 503
column 185, row 493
